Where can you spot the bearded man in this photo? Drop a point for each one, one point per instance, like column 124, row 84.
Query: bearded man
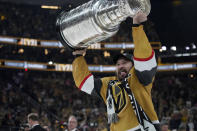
column 128, row 94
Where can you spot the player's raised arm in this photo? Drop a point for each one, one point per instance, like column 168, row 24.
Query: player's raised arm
column 144, row 56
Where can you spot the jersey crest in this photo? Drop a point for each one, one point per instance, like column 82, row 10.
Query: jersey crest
column 118, row 92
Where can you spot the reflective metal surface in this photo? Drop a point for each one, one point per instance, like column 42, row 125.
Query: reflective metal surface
column 96, row 20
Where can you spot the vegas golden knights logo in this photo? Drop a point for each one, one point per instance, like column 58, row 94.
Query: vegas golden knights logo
column 118, row 94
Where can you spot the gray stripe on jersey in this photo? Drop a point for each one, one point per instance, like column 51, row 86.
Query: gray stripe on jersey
column 146, row 77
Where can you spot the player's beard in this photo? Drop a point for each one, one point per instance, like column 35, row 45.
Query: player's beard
column 121, row 74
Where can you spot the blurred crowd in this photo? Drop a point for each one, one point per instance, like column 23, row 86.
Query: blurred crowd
column 27, row 21
column 175, row 101
column 32, row 21
column 54, row 97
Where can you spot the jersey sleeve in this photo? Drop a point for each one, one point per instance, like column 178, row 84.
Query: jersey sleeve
column 84, row 79
column 144, row 57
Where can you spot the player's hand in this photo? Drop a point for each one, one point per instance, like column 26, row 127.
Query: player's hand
column 79, row 52
column 139, row 18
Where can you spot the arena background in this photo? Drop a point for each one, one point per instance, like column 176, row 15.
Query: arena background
column 35, row 69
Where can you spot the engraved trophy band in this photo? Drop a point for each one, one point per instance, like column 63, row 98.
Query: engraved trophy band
column 96, row 20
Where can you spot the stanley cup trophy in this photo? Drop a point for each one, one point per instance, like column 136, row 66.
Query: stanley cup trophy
column 96, row 20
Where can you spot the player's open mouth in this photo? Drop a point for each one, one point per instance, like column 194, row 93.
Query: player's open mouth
column 122, row 73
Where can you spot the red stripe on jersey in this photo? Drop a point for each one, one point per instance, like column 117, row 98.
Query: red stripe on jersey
column 144, row 59
column 84, row 80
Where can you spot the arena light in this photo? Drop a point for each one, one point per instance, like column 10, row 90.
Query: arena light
column 173, row 48
column 193, row 54
column 50, row 7
column 193, row 46
column 187, row 48
column 164, row 48
column 191, row 76
column 51, row 43
column 186, row 54
column 7, row 39
column 21, row 51
column 35, row 66
column 50, row 62
column 95, row 68
column 14, row 64
column 178, row 55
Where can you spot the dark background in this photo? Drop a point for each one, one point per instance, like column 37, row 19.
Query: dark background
column 175, row 20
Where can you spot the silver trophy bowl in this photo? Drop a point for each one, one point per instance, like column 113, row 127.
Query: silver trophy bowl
column 96, row 20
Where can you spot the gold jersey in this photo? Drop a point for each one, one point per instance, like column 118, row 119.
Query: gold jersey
column 140, row 82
